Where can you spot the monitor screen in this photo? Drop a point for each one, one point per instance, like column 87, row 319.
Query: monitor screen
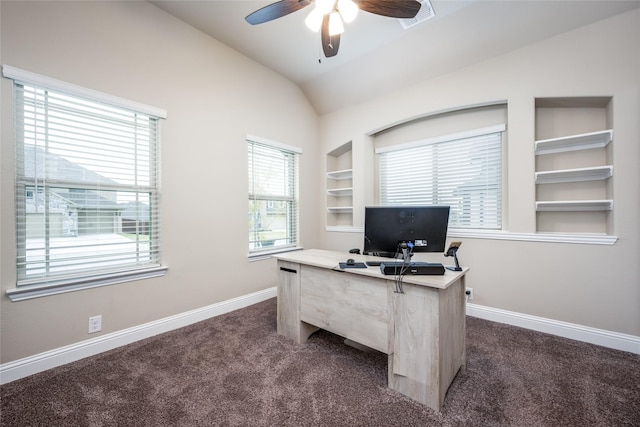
column 385, row 227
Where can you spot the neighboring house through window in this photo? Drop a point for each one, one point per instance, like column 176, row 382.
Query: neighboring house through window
column 87, row 187
column 273, row 196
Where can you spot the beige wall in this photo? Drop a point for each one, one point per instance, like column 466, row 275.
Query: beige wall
column 214, row 97
column 591, row 285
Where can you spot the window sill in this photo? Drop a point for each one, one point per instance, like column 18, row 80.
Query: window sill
column 26, row 292
column 267, row 254
column 344, row 229
column 585, row 239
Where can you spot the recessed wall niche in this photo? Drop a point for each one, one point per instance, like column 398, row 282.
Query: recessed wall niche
column 574, row 165
column 340, row 187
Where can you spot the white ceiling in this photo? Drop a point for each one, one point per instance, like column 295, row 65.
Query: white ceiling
column 376, row 54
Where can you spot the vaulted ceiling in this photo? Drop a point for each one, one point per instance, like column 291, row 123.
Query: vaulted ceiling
column 377, row 55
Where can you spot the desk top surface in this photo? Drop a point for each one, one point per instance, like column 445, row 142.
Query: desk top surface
column 331, row 259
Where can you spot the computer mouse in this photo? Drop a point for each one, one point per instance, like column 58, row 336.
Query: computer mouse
column 351, row 261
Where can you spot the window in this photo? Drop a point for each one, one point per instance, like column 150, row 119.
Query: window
column 463, row 171
column 86, row 188
column 273, row 199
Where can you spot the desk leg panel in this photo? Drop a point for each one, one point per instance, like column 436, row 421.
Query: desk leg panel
column 288, row 296
column 452, row 333
column 427, row 338
column 414, row 362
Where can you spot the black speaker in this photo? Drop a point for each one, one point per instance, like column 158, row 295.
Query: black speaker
column 413, row 268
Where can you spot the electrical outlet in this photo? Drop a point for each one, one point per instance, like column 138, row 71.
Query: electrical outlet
column 95, row 324
column 469, row 293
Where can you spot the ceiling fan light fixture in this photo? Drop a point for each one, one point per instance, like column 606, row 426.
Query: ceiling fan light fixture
column 335, row 24
column 329, row 16
column 348, row 10
column 314, row 20
column 325, row 6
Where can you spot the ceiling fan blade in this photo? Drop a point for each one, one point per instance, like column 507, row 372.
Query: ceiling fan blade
column 276, row 10
column 330, row 44
column 391, row 8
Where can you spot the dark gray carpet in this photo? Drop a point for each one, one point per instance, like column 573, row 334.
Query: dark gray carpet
column 234, row 370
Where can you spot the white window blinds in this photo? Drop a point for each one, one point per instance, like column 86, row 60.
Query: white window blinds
column 273, row 200
column 86, row 187
column 463, row 173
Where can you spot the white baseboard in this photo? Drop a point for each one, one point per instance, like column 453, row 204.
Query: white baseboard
column 57, row 357
column 573, row 331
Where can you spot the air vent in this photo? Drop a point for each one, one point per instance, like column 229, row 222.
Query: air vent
column 426, row 12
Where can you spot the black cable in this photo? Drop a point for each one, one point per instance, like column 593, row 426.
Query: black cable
column 404, row 267
column 396, row 276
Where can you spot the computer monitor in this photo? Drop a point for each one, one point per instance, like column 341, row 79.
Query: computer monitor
column 385, row 227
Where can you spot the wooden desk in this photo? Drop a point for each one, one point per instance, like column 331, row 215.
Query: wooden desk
column 422, row 330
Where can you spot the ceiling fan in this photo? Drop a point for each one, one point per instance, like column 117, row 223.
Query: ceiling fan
column 329, row 15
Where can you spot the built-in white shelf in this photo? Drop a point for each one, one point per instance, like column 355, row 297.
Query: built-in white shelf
column 598, row 173
column 340, row 209
column 584, row 141
column 344, row 229
column 339, row 192
column 574, row 205
column 342, row 174
column 340, row 187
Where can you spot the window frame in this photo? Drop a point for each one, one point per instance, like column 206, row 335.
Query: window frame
column 451, row 139
column 27, row 288
column 293, row 200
